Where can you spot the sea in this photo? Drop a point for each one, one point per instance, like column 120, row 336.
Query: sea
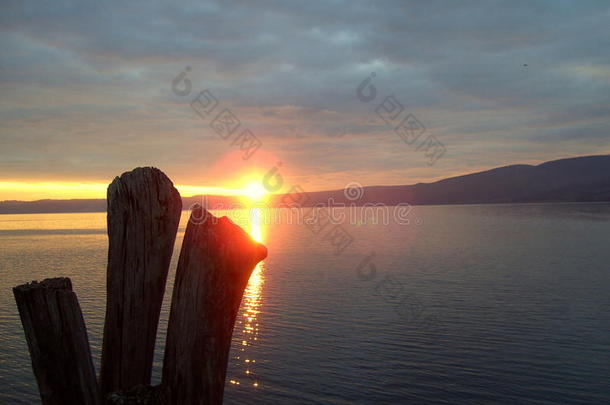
column 472, row 304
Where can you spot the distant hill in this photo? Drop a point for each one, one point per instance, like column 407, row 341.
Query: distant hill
column 581, row 179
column 51, row 206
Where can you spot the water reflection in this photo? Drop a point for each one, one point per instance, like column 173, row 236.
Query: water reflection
column 247, row 324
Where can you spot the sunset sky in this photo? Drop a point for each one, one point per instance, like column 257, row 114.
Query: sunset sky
column 86, row 90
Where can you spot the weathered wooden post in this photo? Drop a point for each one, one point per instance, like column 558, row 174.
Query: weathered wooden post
column 215, row 263
column 143, row 215
column 57, row 339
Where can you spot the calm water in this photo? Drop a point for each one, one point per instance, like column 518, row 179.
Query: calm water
column 506, row 304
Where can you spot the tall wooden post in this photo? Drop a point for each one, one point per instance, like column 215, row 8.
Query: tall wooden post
column 57, row 339
column 143, row 215
column 216, row 261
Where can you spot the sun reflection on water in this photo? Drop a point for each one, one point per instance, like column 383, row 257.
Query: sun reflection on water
column 247, row 325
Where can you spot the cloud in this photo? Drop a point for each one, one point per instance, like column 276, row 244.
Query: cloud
column 85, row 87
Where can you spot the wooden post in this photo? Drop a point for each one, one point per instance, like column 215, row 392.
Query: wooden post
column 139, row 395
column 57, row 339
column 143, row 215
column 215, row 263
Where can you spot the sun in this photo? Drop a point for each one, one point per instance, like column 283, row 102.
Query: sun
column 255, row 191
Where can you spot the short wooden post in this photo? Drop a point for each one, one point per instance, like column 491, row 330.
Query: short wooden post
column 215, row 263
column 57, row 339
column 143, row 215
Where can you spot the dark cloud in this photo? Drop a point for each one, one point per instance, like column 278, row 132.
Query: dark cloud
column 95, row 76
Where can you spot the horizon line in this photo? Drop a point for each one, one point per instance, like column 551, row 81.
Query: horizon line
column 99, row 189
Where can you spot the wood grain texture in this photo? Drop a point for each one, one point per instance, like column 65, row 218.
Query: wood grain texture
column 216, row 260
column 57, row 339
column 143, row 215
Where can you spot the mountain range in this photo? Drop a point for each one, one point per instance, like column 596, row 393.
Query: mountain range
column 580, row 179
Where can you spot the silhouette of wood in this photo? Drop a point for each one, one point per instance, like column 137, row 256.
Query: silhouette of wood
column 216, row 260
column 57, row 339
column 143, row 215
column 139, row 395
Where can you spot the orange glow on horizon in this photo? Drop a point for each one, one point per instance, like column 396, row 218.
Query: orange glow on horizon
column 31, row 191
column 60, row 190
column 236, row 176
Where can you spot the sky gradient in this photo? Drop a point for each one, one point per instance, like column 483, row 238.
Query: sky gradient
column 86, row 89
